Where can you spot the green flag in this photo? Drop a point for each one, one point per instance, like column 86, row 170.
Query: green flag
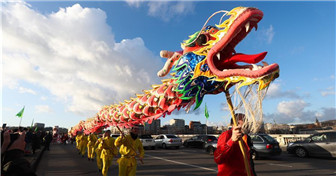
column 35, row 129
column 206, row 112
column 19, row 114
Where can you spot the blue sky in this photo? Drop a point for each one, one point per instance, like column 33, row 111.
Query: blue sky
column 64, row 60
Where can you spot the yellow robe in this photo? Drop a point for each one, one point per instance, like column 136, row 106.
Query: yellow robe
column 127, row 162
column 82, row 145
column 98, row 149
column 108, row 152
column 92, row 138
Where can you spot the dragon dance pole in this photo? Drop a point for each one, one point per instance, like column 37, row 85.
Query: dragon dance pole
column 240, row 142
column 130, row 144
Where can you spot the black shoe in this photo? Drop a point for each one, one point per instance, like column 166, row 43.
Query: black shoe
column 99, row 170
column 89, row 159
column 82, row 156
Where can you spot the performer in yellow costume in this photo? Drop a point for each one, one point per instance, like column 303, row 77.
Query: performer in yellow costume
column 98, row 149
column 108, row 152
column 92, row 138
column 78, row 139
column 83, row 144
column 129, row 146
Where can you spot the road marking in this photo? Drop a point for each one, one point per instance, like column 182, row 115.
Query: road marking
column 177, row 162
column 282, row 165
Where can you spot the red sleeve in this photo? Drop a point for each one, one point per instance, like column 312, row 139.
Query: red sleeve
column 224, row 146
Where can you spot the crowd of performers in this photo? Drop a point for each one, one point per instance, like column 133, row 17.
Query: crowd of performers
column 104, row 148
column 228, row 155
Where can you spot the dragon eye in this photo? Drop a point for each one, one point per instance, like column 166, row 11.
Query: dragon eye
column 202, row 39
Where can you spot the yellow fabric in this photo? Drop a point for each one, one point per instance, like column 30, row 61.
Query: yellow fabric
column 107, row 162
column 92, row 138
column 109, row 150
column 82, row 145
column 78, row 139
column 127, row 162
column 127, row 166
column 98, row 149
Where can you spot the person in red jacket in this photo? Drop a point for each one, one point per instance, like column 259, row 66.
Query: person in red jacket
column 228, row 155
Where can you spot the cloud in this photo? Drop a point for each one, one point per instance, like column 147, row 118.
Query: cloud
column 328, row 91
column 73, row 54
column 134, row 3
column 275, row 91
column 169, row 10
column 43, row 109
column 291, row 108
column 165, row 10
column 293, row 112
column 26, row 90
column 268, row 34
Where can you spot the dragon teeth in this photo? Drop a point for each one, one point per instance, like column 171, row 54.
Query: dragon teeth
column 218, row 56
column 255, row 67
column 247, row 26
column 256, row 26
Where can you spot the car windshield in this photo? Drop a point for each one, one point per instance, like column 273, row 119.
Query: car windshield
column 269, row 138
column 171, row 136
column 146, row 137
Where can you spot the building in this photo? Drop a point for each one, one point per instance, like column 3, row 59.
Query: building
column 39, row 125
column 177, row 126
column 153, row 128
column 196, row 127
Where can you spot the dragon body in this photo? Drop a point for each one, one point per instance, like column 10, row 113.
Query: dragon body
column 208, row 64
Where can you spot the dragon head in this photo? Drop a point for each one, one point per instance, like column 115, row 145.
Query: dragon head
column 208, row 63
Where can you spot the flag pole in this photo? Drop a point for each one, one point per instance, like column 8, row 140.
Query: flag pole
column 206, row 126
column 20, row 122
column 240, row 141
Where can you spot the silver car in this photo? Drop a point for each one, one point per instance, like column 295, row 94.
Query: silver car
column 320, row 144
column 168, row 140
column 147, row 141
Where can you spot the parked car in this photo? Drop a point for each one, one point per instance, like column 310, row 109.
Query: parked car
column 147, row 141
column 319, row 144
column 168, row 140
column 199, row 141
column 264, row 146
column 210, row 147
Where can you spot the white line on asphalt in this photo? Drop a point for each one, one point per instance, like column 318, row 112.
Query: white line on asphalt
column 282, row 165
column 177, row 162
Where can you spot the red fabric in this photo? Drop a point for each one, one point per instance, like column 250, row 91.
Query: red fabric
column 229, row 157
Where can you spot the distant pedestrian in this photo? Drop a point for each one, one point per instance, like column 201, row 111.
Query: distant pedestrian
column 47, row 140
column 36, row 142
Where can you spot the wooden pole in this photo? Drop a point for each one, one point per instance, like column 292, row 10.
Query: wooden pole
column 128, row 143
column 240, row 141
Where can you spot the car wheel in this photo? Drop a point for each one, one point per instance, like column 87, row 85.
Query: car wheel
column 177, row 147
column 254, row 155
column 301, row 152
column 164, row 146
column 153, row 147
column 211, row 150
